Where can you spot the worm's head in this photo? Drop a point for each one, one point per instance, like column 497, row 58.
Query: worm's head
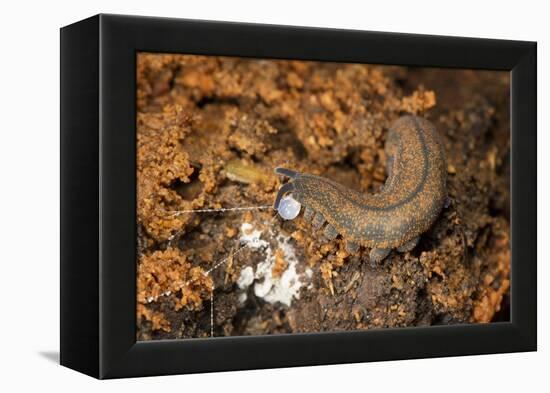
column 285, row 189
column 287, row 206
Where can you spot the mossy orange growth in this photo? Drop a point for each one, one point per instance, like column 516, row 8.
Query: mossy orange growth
column 167, row 273
column 160, row 163
column 157, row 319
column 419, row 101
column 496, row 282
column 280, row 264
column 165, row 171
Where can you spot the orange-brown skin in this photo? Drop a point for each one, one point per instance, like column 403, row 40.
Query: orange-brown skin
column 411, row 199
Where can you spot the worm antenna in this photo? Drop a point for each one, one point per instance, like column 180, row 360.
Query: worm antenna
column 288, row 187
column 286, row 172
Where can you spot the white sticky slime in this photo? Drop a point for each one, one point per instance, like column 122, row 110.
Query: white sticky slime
column 281, row 289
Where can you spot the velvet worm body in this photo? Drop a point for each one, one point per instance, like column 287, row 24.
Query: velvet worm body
column 412, row 197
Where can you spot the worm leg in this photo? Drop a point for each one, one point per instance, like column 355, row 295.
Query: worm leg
column 330, row 232
column 352, row 247
column 378, row 254
column 309, row 213
column 318, row 221
column 409, row 245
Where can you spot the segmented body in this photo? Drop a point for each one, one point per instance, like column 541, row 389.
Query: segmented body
column 411, row 199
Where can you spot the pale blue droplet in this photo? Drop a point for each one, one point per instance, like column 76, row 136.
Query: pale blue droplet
column 289, row 208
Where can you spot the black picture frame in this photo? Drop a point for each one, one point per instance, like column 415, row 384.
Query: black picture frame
column 98, row 195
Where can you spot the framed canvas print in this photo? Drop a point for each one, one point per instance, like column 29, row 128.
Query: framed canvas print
column 238, row 196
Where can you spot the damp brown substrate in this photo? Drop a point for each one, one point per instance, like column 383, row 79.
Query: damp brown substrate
column 210, row 132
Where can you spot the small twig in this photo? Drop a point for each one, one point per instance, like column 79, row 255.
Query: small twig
column 354, row 278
